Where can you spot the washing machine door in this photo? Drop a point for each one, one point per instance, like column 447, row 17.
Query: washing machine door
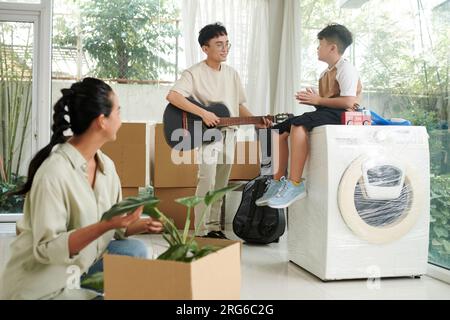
column 380, row 199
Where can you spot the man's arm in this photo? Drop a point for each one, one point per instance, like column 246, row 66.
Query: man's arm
column 178, row 100
column 244, row 112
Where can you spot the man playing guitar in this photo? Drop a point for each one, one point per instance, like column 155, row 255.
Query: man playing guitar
column 208, row 82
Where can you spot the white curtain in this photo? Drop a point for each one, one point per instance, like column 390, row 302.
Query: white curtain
column 247, row 25
column 288, row 64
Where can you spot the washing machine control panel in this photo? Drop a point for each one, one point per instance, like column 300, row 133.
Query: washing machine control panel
column 380, row 135
column 397, row 136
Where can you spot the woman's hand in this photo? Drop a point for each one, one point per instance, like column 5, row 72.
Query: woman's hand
column 153, row 226
column 126, row 220
column 82, row 237
column 146, row 225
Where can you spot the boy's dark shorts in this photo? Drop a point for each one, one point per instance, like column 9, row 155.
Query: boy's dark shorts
column 310, row 120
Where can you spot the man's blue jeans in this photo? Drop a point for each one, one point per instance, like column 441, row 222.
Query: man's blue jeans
column 126, row 247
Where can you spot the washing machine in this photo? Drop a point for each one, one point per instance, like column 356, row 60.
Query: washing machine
column 366, row 213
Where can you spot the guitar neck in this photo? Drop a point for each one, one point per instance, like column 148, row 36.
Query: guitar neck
column 235, row 121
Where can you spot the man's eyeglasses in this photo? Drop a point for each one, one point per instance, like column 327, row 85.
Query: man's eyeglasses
column 220, row 46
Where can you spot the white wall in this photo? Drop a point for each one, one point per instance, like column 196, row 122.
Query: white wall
column 138, row 102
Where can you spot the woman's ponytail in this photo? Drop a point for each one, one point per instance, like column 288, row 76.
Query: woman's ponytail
column 82, row 103
column 60, row 124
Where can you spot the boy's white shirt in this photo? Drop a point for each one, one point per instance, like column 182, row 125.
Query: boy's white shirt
column 347, row 76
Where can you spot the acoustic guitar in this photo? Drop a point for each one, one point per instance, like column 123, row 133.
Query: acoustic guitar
column 186, row 131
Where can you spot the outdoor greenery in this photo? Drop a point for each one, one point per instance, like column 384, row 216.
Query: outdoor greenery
column 440, row 197
column 15, row 110
column 11, row 204
column 440, row 220
column 404, row 58
column 127, row 39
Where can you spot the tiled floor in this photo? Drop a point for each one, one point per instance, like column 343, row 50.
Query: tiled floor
column 267, row 274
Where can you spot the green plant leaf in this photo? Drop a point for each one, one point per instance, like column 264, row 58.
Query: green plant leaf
column 170, row 241
column 446, row 246
column 204, row 251
column 177, row 252
column 189, row 201
column 193, row 246
column 441, row 232
column 213, row 196
column 436, row 242
column 128, row 205
column 169, row 227
column 150, row 210
column 94, row 282
column 187, row 224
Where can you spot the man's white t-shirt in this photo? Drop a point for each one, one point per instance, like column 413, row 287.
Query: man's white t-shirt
column 208, row 86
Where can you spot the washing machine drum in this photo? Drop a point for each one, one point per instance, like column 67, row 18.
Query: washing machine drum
column 380, row 199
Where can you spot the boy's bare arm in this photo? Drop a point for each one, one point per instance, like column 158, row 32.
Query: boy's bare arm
column 312, row 98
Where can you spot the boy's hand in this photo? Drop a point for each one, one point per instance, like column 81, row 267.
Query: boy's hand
column 308, row 97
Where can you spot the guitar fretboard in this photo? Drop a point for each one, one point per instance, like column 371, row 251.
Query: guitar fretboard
column 233, row 121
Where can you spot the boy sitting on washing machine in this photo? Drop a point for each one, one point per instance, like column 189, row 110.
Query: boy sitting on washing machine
column 339, row 91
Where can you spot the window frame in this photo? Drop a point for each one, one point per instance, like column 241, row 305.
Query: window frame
column 41, row 16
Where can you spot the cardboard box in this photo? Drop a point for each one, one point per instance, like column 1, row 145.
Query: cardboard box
column 131, row 153
column 167, row 174
column 246, row 161
column 216, row 276
column 130, row 192
column 172, row 209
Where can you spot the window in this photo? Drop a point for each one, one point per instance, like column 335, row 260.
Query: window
column 401, row 51
column 16, row 84
column 132, row 44
column 24, row 95
column 121, row 41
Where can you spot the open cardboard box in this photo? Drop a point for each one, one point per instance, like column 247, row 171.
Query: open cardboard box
column 216, row 276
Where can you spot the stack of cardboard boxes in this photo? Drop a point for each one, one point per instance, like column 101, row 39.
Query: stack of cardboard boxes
column 142, row 157
column 131, row 155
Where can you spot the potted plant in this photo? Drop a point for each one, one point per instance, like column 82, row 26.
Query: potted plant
column 183, row 247
column 15, row 115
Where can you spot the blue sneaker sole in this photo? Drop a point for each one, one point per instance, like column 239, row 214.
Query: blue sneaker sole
column 285, row 205
column 261, row 203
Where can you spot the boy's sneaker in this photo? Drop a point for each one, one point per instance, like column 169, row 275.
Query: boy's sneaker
column 271, row 191
column 288, row 195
